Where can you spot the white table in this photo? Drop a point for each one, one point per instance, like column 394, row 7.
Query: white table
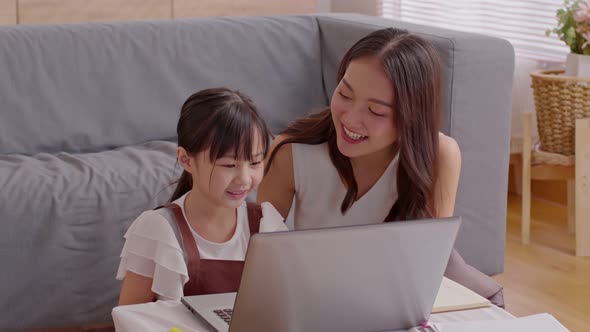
column 161, row 315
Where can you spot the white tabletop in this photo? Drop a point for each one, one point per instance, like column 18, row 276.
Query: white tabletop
column 162, row 315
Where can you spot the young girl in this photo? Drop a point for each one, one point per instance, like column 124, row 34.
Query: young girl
column 197, row 243
column 377, row 152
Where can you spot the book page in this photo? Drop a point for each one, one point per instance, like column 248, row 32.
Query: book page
column 538, row 323
column 453, row 296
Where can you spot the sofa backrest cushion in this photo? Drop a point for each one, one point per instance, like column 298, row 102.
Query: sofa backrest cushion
column 92, row 87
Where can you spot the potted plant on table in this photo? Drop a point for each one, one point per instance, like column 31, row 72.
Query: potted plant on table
column 573, row 28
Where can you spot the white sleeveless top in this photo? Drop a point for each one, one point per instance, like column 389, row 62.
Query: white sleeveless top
column 320, row 192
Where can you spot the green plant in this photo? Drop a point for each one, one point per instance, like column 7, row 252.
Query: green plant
column 573, row 26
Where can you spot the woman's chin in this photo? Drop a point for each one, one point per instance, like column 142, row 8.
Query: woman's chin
column 349, row 150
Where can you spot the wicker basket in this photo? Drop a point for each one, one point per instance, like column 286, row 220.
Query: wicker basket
column 559, row 101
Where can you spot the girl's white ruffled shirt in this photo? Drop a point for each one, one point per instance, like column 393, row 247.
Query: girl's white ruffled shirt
column 152, row 250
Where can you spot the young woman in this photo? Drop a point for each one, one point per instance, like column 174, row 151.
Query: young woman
column 376, row 154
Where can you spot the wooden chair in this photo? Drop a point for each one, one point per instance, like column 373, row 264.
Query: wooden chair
column 538, row 165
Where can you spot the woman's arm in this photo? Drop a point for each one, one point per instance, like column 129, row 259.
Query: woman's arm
column 136, row 289
column 445, row 193
column 278, row 185
column 449, row 169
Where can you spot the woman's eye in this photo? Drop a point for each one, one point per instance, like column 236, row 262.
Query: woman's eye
column 343, row 95
column 256, row 163
column 374, row 113
column 228, row 165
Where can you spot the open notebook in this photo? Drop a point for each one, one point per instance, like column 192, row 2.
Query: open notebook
column 453, row 296
column 538, row 323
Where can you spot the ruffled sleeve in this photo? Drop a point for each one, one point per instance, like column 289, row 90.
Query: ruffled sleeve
column 271, row 220
column 152, row 250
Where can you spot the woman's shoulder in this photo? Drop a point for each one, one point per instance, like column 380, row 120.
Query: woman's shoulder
column 285, row 155
column 282, row 151
column 448, row 148
column 449, row 152
column 287, row 149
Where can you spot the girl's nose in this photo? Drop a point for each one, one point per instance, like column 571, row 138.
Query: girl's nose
column 243, row 177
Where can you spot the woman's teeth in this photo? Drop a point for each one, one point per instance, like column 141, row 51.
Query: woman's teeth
column 353, row 135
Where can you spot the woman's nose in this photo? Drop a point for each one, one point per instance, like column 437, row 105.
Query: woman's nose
column 353, row 114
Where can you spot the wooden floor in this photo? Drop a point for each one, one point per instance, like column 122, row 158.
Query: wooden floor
column 545, row 276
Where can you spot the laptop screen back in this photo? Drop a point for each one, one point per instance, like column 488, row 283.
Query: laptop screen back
column 357, row 278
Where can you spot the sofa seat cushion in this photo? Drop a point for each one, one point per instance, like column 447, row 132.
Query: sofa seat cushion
column 63, row 220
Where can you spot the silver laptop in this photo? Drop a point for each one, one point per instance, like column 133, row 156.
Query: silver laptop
column 355, row 278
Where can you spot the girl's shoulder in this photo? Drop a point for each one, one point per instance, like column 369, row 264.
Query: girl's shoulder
column 151, row 249
column 153, row 224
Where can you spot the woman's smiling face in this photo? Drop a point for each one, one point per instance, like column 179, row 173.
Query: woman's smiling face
column 362, row 109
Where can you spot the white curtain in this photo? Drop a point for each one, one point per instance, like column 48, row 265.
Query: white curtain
column 522, row 22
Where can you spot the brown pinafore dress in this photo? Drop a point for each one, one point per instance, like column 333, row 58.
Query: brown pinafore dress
column 211, row 276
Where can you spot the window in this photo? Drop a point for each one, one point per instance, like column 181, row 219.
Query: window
column 522, row 22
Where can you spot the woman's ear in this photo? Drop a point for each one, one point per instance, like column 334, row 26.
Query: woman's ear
column 184, row 159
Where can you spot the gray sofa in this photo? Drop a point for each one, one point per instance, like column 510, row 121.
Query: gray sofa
column 87, row 131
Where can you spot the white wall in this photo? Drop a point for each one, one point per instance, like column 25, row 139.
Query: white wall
column 324, row 6
column 367, row 7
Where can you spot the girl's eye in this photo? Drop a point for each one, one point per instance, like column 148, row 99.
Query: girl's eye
column 343, row 95
column 374, row 113
column 256, row 163
column 228, row 165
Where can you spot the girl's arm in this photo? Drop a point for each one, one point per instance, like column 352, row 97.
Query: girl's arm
column 278, row 185
column 136, row 289
column 449, row 169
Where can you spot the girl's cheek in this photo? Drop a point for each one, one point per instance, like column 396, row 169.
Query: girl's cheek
column 257, row 178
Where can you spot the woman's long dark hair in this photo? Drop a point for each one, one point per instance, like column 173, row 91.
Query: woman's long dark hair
column 414, row 68
column 221, row 120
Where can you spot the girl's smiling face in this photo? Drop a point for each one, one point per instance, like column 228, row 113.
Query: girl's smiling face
column 228, row 180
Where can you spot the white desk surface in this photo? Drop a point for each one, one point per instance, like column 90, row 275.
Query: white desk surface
column 162, row 315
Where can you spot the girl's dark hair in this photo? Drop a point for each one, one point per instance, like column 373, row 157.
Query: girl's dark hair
column 222, row 120
column 414, row 68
